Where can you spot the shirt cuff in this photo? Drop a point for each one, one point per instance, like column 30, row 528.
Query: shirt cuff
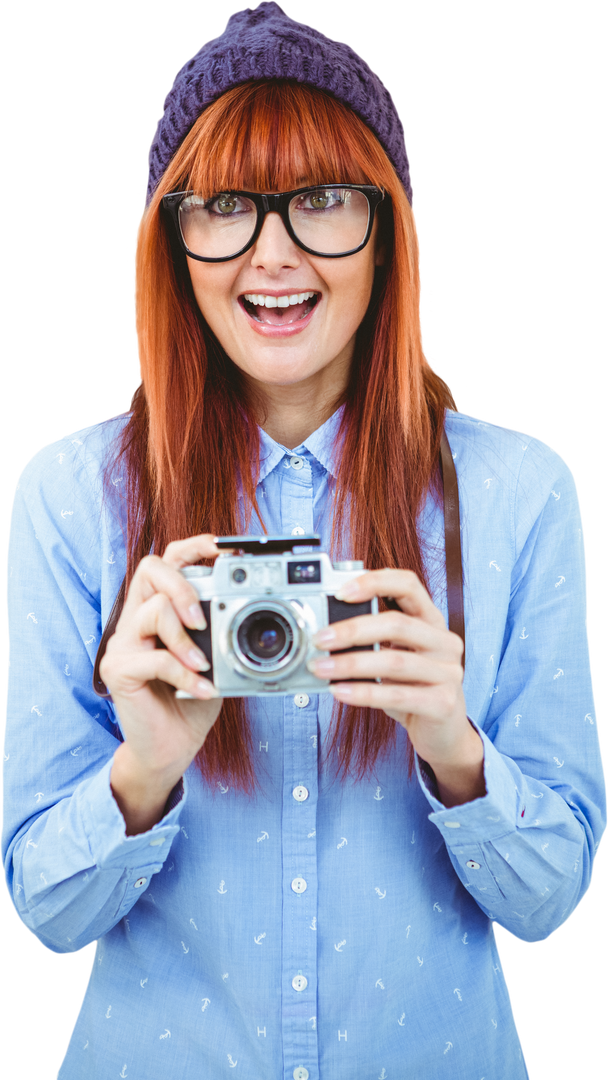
column 104, row 825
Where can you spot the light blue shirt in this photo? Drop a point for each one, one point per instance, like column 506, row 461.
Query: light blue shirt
column 318, row 930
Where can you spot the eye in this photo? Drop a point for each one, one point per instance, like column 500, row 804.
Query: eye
column 223, row 206
column 322, row 199
column 226, row 204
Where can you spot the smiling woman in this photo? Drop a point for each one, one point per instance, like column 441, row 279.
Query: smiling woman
column 199, row 406
column 230, row 855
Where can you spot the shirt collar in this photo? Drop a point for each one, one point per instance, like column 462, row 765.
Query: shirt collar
column 321, row 445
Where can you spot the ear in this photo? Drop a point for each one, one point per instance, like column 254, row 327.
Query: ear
column 380, row 257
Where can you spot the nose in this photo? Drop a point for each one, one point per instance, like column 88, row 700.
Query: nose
column 274, row 250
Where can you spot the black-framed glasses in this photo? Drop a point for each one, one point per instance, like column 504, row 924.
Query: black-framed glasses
column 331, row 220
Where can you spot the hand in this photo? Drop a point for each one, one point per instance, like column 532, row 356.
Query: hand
column 421, row 673
column 162, row 734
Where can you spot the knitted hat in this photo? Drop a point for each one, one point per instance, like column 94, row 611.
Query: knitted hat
column 266, row 44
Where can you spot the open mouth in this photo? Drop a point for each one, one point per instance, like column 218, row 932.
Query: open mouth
column 279, row 310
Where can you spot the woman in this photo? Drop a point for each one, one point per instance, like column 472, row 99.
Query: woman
column 271, row 889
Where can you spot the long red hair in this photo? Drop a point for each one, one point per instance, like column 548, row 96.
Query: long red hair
column 192, row 431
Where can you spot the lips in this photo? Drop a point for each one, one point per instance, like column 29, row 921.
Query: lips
column 281, row 328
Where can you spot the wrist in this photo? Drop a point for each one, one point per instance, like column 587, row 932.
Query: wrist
column 142, row 774
column 460, row 776
column 140, row 793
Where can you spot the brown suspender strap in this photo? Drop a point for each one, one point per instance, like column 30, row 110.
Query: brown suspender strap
column 453, row 551
column 453, row 567
column 99, row 685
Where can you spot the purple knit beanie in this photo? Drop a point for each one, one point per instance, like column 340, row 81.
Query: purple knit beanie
column 266, row 44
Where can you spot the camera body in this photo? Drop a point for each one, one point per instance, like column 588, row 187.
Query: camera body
column 262, row 605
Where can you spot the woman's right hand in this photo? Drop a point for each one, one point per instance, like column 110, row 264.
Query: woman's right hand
column 162, row 734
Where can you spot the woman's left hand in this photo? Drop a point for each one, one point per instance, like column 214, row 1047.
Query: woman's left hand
column 421, row 673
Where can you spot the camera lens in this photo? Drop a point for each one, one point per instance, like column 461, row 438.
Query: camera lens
column 265, row 636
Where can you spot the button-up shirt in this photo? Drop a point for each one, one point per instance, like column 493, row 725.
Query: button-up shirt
column 322, row 928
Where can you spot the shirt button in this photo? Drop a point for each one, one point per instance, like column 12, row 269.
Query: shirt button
column 301, row 700
column 300, row 1073
column 299, row 885
column 299, row 982
column 300, row 793
column 452, row 824
column 472, row 865
column 156, row 843
column 296, row 463
column 298, row 531
column 140, row 881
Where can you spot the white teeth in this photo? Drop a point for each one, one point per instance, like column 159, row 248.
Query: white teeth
column 262, row 300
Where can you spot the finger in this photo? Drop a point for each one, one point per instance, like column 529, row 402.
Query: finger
column 157, row 618
column 125, row 673
column 391, row 665
column 405, row 587
column 187, row 552
column 180, row 553
column 153, row 575
column 434, row 702
column 394, row 626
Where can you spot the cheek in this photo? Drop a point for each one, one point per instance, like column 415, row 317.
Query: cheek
column 212, row 287
column 352, row 294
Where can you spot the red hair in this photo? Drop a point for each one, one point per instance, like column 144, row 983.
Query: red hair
column 192, row 430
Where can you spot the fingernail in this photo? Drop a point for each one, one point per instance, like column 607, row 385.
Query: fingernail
column 206, row 690
column 196, row 614
column 323, row 636
column 199, row 660
column 347, row 591
column 320, row 665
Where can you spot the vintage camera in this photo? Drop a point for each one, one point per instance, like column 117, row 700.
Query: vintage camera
column 263, row 603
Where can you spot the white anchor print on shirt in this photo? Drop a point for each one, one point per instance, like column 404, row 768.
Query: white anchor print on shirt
column 378, row 796
column 556, row 495
column 381, row 895
column 32, row 616
column 420, row 960
column 221, row 888
column 142, row 982
column 517, row 719
column 523, row 635
column 259, row 939
column 383, row 1075
column 313, row 1020
column 264, row 836
column 560, row 582
column 458, row 994
column 558, row 674
column 343, row 841
column 448, row 1046
column 67, row 513
column 166, row 1034
column 340, row 945
column 590, row 719
column 313, row 925
column 223, row 789
column 192, row 923
column 558, row 762
column 109, row 1013
column 380, row 984
column 495, row 565
column 206, row 1002
column 123, row 1074
column 401, row 1020
column 186, row 948
column 233, row 1063
column 487, row 483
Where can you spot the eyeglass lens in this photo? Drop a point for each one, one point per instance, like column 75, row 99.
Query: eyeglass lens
column 327, row 220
